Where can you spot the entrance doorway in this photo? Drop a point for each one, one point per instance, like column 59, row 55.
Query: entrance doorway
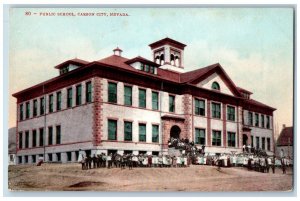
column 245, row 139
column 175, row 132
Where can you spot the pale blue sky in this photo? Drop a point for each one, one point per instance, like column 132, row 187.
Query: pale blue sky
column 254, row 45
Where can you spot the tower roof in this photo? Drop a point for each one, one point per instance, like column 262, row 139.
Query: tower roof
column 168, row 41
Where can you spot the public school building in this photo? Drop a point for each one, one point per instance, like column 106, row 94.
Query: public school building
column 135, row 105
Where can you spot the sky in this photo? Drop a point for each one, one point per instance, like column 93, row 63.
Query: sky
column 253, row 45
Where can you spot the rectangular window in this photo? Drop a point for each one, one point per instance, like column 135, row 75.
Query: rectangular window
column 142, row 98
column 250, row 118
column 268, row 144
column 256, row 120
column 58, row 135
column 263, row 143
column 34, row 138
column 216, row 135
column 20, row 140
column 26, row 159
column 128, row 131
column 51, row 103
column 142, row 67
column 230, row 113
column 49, row 157
column 69, row 156
column 216, row 110
column 231, row 139
column 27, row 110
column 42, row 106
column 88, row 92
column 21, row 112
column 50, row 135
column 112, row 92
column 58, row 157
column 252, row 143
column 69, row 98
column 268, row 121
column 155, row 133
column 20, row 159
column 147, row 68
column 262, row 121
column 171, row 103
column 152, row 69
column 112, row 130
column 78, row 94
column 257, row 143
column 33, row 158
column 199, row 107
column 142, row 132
column 200, row 136
column 35, row 108
column 58, row 100
column 26, row 139
column 127, row 95
column 154, row 100
column 41, row 137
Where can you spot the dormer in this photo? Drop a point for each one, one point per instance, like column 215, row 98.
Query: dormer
column 143, row 64
column 70, row 65
column 245, row 93
column 169, row 54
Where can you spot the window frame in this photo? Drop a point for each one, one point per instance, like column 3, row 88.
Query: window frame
column 112, row 93
column 250, row 118
column 155, row 136
column 88, row 92
column 144, row 101
column 78, row 95
column 58, row 134
column 27, row 108
column 144, row 134
column 41, row 137
column 215, row 86
column 50, row 135
column 200, row 111
column 34, row 107
column 21, row 112
column 126, row 132
column 231, row 142
column 51, row 105
column 218, row 139
column 216, row 114
column 199, row 139
column 109, row 122
column 126, row 96
column 34, row 138
column 42, row 105
column 155, row 104
column 172, row 104
column 230, row 113
column 58, row 100
column 69, row 97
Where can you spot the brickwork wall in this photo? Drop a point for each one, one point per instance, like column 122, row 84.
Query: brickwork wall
column 97, row 111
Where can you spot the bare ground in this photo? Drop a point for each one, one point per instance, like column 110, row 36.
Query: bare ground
column 70, row 177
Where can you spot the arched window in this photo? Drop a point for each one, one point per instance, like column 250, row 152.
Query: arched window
column 215, row 85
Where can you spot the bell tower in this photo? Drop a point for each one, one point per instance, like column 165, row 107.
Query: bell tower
column 168, row 53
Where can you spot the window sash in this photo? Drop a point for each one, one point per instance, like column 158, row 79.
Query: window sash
column 21, row 112
column 50, row 136
column 216, row 138
column 142, row 98
column 128, row 95
column 263, row 143
column 262, row 121
column 257, row 142
column 88, row 92
column 27, row 110
column 51, row 103
column 171, row 103
column 34, row 138
column 41, row 137
column 112, row 92
column 58, row 135
column 154, row 100
column 268, row 121
column 200, row 136
column 42, row 106
column 256, row 120
column 20, row 140
column 26, row 139
column 231, row 139
column 231, row 113
column 216, row 110
column 199, row 107
column 69, row 98
column 268, row 144
column 155, row 133
column 58, row 101
column 78, row 94
column 128, row 131
column 35, row 108
column 112, row 130
column 250, row 118
column 142, row 133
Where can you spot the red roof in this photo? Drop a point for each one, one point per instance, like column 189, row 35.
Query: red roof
column 286, row 137
column 167, row 41
column 254, row 102
column 78, row 62
column 192, row 75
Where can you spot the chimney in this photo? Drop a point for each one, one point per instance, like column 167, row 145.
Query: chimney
column 118, row 51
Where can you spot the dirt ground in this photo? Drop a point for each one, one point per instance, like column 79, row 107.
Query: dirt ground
column 70, row 177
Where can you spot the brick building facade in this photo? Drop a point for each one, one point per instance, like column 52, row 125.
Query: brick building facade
column 135, row 105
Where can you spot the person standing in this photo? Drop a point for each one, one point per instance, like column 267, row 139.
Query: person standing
column 283, row 166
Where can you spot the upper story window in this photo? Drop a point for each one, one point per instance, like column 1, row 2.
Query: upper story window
column 58, row 100
column 21, row 112
column 215, row 86
column 64, row 70
column 27, row 110
column 127, row 95
column 216, row 110
column 88, row 92
column 268, row 122
column 171, row 103
column 112, row 92
column 78, row 94
column 35, row 107
column 127, row 131
column 250, row 118
column 230, row 113
column 199, row 107
column 42, row 106
column 200, row 136
column 69, row 97
column 142, row 98
column 262, row 121
column 256, row 119
column 58, row 135
column 154, row 100
column 51, row 103
column 155, row 133
column 112, row 129
column 147, row 68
